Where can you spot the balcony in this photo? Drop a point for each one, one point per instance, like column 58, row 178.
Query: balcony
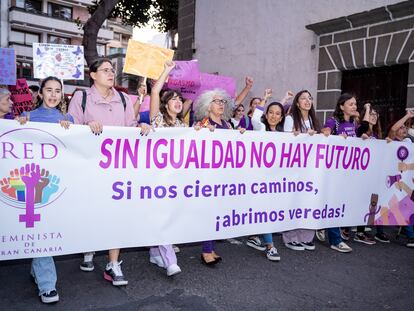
column 42, row 21
column 22, row 50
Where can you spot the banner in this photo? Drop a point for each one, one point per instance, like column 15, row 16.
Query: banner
column 21, row 97
column 146, row 60
column 185, row 77
column 69, row 191
column 66, row 62
column 7, row 66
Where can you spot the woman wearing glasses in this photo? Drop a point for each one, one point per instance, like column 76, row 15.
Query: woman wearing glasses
column 102, row 105
column 213, row 108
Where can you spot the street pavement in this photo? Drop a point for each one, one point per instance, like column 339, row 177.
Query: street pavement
column 378, row 277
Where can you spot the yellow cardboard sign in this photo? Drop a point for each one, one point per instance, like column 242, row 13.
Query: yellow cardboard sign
column 146, row 60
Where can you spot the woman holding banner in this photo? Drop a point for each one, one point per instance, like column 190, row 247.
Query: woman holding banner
column 271, row 120
column 5, row 104
column 213, row 109
column 342, row 123
column 51, row 108
column 302, row 119
column 166, row 111
column 98, row 106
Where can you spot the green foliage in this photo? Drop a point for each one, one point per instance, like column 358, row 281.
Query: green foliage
column 139, row 12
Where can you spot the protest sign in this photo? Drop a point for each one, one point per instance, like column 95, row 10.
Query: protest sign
column 21, row 97
column 146, row 60
column 185, row 77
column 66, row 62
column 181, row 185
column 7, row 66
column 212, row 81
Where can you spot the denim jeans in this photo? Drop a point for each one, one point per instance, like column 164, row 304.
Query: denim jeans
column 267, row 239
column 44, row 272
column 334, row 236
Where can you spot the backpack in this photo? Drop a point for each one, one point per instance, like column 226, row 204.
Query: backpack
column 84, row 100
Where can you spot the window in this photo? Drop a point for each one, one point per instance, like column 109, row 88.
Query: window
column 27, row 70
column 117, row 36
column 58, row 40
column 30, row 5
column 57, row 10
column 101, row 49
column 25, row 38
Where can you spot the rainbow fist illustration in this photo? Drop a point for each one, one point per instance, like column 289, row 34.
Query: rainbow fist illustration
column 30, row 186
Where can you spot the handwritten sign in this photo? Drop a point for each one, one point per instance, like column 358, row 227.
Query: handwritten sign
column 146, row 60
column 65, row 62
column 7, row 66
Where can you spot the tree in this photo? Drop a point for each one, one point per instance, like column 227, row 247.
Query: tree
column 131, row 12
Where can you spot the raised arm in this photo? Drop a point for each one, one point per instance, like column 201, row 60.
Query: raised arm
column 156, row 89
column 399, row 123
column 244, row 92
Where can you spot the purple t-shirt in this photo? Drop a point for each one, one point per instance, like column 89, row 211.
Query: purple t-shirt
column 243, row 122
column 344, row 127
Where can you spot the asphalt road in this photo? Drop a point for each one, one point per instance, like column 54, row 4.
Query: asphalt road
column 378, row 277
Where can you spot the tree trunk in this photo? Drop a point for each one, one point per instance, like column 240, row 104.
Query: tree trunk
column 92, row 26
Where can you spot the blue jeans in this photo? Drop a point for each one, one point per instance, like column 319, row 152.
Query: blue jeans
column 267, row 239
column 410, row 231
column 334, row 236
column 44, row 272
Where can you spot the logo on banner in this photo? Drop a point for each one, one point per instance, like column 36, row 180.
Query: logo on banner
column 31, row 185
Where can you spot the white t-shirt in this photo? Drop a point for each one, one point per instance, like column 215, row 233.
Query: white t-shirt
column 288, row 126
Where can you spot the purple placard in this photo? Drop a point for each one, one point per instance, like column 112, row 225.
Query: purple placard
column 185, row 77
column 7, row 66
column 211, row 81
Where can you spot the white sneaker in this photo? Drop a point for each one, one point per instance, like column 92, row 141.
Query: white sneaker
column 272, row 254
column 113, row 273
column 87, row 264
column 173, row 269
column 157, row 260
column 296, row 246
column 176, row 249
column 50, row 297
column 320, row 235
column 342, row 248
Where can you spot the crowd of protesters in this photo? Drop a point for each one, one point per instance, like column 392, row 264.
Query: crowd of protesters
column 104, row 105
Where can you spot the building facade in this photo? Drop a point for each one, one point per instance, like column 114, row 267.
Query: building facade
column 24, row 22
column 325, row 46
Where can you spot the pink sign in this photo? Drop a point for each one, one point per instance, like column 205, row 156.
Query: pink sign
column 21, row 97
column 185, row 77
column 211, row 81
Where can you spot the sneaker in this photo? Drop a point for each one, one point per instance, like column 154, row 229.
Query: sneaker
column 176, row 249
column 87, row 264
column 320, row 235
column 113, row 273
column 296, row 246
column 256, row 243
column 382, row 237
column 410, row 243
column 309, row 246
column 173, row 269
column 342, row 248
column 50, row 297
column 345, row 234
column 361, row 237
column 272, row 254
column 157, row 260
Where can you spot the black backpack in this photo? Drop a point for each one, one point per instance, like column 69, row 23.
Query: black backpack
column 84, row 100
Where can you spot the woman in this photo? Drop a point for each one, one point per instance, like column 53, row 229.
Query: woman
column 51, row 108
column 342, row 123
column 370, row 128
column 102, row 105
column 238, row 114
column 5, row 104
column 247, row 121
column 302, row 119
column 272, row 120
column 213, row 109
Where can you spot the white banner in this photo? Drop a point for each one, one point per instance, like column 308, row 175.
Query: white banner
column 69, row 191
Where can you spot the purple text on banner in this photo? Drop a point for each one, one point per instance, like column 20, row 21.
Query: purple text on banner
column 185, row 77
column 7, row 66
